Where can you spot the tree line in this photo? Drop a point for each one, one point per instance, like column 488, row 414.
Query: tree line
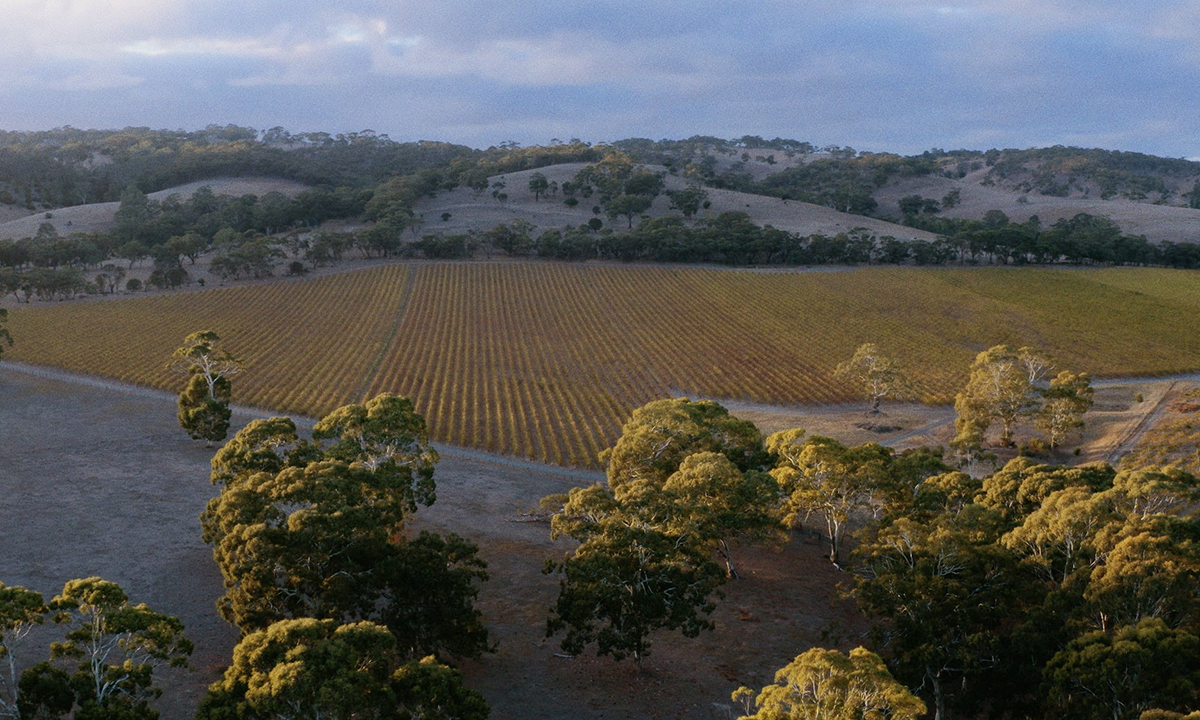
column 1036, row 590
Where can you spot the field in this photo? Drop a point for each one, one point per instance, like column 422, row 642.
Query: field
column 545, row 360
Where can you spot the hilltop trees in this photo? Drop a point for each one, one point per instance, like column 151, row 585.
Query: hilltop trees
column 204, row 403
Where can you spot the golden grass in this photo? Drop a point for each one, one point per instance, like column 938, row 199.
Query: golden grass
column 546, row 360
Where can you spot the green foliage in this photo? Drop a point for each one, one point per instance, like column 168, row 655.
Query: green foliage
column 624, row 583
column 320, row 670
column 820, row 476
column 1056, row 170
column 1063, row 405
column 316, row 529
column 428, row 690
column 432, row 583
column 675, row 494
column 538, row 184
column 204, row 417
column 659, row 435
column 5, row 336
column 204, row 403
column 943, row 588
column 876, row 375
column 45, row 693
column 689, row 200
column 388, row 436
column 827, row 685
column 1001, row 387
column 118, row 645
column 20, row 611
column 1137, row 668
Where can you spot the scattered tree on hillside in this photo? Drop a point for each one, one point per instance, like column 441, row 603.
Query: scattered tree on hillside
column 538, row 184
column 827, row 685
column 876, row 375
column 204, row 403
column 5, row 336
column 689, row 200
column 627, row 206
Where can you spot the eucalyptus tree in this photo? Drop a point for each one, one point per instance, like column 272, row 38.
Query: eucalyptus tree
column 204, row 403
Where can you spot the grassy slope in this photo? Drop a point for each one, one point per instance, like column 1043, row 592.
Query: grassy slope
column 545, row 360
column 99, row 217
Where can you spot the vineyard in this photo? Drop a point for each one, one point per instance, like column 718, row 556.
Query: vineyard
column 546, row 360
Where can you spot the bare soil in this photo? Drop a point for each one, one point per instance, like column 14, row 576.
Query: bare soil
column 99, row 480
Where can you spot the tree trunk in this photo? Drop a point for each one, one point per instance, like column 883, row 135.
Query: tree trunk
column 939, row 699
column 730, row 571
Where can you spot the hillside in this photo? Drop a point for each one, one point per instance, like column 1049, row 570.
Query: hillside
column 99, row 217
column 473, row 211
column 476, row 212
column 1168, row 222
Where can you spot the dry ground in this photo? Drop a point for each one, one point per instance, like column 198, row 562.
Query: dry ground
column 99, row 481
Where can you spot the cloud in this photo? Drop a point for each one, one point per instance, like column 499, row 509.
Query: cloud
column 877, row 74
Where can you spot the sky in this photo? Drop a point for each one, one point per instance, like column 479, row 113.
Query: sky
column 890, row 75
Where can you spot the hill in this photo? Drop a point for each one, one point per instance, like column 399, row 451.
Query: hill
column 100, row 217
column 475, row 211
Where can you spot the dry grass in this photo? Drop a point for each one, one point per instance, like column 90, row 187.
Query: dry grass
column 98, row 217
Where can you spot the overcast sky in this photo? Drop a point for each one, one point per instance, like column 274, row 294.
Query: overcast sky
column 900, row 75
